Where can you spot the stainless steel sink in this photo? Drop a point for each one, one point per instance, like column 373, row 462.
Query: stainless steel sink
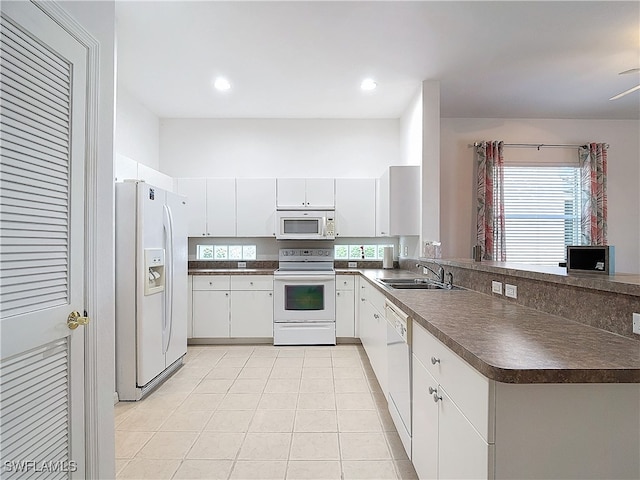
column 415, row 284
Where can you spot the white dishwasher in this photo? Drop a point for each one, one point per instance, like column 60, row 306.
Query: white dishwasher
column 399, row 371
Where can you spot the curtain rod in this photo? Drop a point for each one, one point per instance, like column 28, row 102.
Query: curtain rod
column 537, row 145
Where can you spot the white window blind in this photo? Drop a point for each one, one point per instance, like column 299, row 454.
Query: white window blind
column 542, row 213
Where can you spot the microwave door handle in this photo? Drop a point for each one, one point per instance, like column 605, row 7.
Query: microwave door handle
column 324, row 226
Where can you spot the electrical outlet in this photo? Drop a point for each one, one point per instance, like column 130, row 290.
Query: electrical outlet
column 511, row 291
column 496, row 287
column 353, row 264
column 242, row 264
column 405, row 250
column 636, row 323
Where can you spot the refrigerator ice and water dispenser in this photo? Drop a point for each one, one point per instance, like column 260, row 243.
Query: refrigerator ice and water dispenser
column 154, row 270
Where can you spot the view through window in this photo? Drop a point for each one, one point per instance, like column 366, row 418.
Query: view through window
column 542, row 213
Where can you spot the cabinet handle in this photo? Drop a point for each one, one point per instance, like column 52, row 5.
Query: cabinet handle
column 226, row 294
column 250, row 283
column 376, row 316
column 362, row 299
column 270, row 294
column 436, row 397
column 337, row 294
column 210, row 283
column 432, row 390
column 434, row 360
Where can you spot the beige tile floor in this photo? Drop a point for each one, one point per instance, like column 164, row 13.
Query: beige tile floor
column 263, row 412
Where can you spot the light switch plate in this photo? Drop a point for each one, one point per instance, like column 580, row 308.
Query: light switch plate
column 511, row 291
column 636, row 323
column 242, row 264
column 496, row 287
column 353, row 264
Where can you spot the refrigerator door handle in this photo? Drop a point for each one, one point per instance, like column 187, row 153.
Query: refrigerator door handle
column 168, row 297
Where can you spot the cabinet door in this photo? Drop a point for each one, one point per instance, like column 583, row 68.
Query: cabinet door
column 424, row 441
column 382, row 205
column 355, row 207
column 251, row 313
column 380, row 343
column 345, row 313
column 255, row 207
column 195, row 189
column 320, row 193
column 462, row 452
column 210, row 314
column 190, row 306
column 291, row 193
column 365, row 327
column 221, row 207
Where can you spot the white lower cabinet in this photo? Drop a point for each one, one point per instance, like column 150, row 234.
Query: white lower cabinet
column 211, row 314
column 345, row 306
column 251, row 306
column 462, row 452
column 466, row 426
column 452, row 420
column 373, row 330
column 232, row 306
column 424, row 439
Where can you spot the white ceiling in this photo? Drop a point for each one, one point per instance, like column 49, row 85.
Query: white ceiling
column 306, row 59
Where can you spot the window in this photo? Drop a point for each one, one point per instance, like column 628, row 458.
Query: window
column 542, row 213
column 359, row 252
column 226, row 252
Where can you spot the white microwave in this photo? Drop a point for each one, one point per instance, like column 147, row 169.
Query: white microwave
column 305, row 225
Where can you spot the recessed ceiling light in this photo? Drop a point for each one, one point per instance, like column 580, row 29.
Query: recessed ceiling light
column 368, row 85
column 222, row 84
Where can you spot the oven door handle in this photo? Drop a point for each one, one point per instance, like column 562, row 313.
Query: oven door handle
column 304, row 278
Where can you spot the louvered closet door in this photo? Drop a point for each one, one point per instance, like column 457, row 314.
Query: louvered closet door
column 43, row 80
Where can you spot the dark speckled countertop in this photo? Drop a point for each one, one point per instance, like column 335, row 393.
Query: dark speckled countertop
column 514, row 344
column 506, row 342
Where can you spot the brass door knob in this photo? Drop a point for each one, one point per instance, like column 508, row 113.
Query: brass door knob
column 74, row 320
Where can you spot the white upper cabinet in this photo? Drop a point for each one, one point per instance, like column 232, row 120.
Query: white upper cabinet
column 355, row 207
column 221, row 207
column 398, row 201
column 211, row 206
column 195, row 189
column 312, row 193
column 255, row 207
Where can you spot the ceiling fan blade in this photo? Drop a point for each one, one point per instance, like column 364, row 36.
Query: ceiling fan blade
column 631, row 70
column 626, row 92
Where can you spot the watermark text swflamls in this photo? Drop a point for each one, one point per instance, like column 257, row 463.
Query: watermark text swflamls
column 24, row 466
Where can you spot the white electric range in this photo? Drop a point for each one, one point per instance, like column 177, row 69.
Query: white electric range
column 304, row 298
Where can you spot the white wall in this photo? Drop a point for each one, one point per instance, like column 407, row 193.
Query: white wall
column 278, row 147
column 411, row 132
column 431, row 163
column 98, row 18
column 137, row 130
column 456, row 167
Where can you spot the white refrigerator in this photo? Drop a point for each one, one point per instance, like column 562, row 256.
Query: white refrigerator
column 151, row 287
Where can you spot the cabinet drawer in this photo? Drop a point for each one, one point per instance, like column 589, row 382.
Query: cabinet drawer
column 211, row 282
column 345, row 282
column 472, row 392
column 252, row 282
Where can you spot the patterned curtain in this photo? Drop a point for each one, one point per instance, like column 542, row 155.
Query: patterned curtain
column 490, row 200
column 593, row 163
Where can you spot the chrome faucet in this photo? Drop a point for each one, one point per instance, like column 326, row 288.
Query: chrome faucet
column 439, row 273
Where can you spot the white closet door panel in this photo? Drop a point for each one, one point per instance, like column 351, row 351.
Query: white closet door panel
column 37, row 53
column 34, row 217
column 34, row 407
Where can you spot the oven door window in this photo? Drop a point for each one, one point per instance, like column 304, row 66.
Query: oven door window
column 301, row 225
column 304, row 297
